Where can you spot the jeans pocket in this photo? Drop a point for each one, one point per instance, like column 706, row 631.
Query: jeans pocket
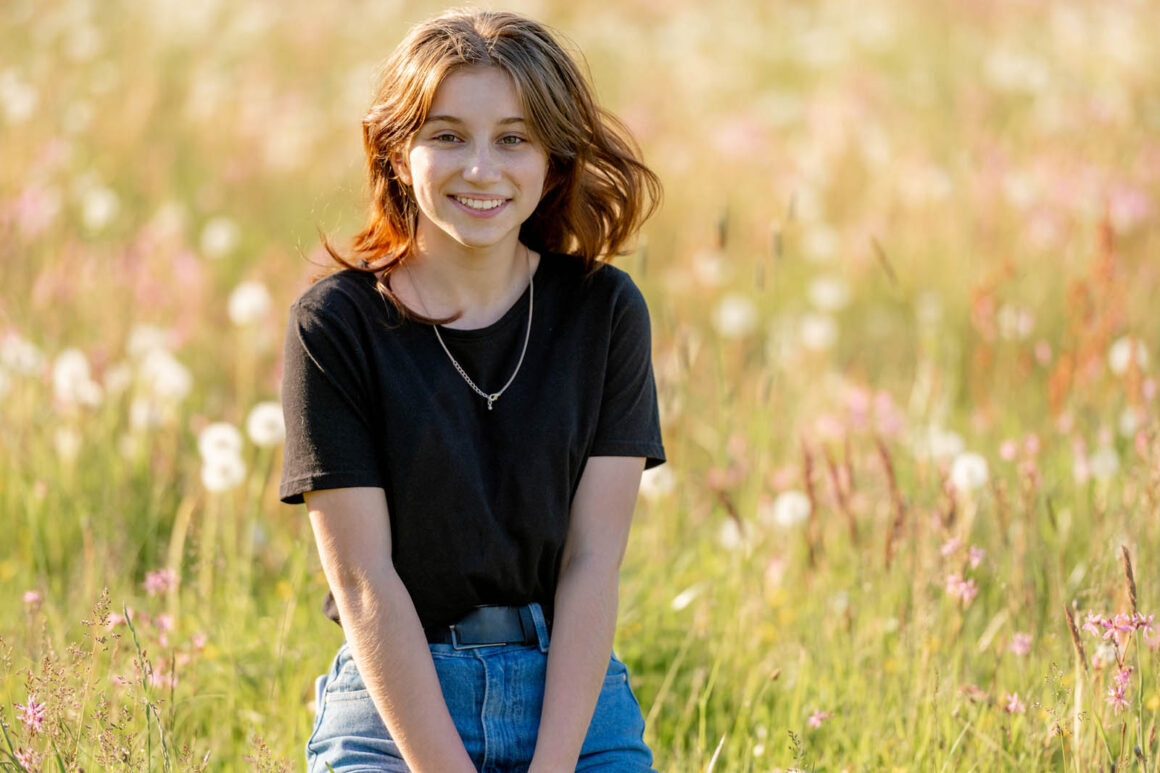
column 347, row 684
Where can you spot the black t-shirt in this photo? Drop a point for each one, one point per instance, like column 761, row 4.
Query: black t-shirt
column 478, row 500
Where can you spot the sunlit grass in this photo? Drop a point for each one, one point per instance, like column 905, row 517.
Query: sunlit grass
column 902, row 291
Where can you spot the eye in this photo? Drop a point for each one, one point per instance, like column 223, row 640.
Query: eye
column 512, row 139
column 445, row 137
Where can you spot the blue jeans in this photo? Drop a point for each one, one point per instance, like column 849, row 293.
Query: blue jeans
column 494, row 695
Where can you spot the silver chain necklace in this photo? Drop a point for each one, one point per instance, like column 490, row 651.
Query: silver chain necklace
column 491, row 398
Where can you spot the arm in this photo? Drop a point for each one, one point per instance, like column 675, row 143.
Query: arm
column 352, row 530
column 585, row 611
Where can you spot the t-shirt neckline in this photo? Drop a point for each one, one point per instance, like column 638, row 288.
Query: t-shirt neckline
column 516, row 312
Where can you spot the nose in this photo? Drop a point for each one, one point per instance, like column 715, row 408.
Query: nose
column 482, row 166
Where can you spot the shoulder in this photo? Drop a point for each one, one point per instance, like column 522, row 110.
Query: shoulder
column 347, row 296
column 606, row 284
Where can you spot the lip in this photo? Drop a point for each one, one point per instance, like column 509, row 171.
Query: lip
column 481, row 213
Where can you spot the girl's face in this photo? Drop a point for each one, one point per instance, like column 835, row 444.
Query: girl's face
column 476, row 170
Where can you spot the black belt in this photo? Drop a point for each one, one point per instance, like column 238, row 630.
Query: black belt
column 489, row 626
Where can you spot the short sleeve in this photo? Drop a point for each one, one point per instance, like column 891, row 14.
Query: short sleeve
column 629, row 423
column 327, row 404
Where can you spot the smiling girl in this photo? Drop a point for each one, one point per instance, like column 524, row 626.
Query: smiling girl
column 469, row 405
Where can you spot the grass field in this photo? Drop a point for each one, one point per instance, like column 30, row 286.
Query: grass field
column 903, row 295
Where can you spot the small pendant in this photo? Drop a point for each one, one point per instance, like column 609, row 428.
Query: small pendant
column 490, row 400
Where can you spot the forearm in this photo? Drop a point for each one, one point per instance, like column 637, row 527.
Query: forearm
column 390, row 650
column 582, row 632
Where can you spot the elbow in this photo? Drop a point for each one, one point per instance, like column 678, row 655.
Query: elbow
column 360, row 593
column 591, row 564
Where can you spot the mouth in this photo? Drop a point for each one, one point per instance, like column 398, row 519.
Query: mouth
column 480, row 205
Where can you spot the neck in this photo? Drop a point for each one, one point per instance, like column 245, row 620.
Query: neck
column 480, row 285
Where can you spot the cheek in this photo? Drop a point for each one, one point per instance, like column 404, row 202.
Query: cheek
column 423, row 169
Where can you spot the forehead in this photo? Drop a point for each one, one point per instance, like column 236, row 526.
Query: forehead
column 476, row 92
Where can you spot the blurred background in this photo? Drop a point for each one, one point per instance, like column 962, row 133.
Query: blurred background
column 902, row 289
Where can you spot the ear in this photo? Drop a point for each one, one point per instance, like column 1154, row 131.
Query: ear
column 401, row 167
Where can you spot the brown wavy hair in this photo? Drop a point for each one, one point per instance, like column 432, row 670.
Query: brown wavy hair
column 598, row 190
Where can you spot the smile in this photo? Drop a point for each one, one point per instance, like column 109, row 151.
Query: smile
column 480, row 205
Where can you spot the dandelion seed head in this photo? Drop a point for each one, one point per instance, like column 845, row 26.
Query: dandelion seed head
column 265, row 425
column 1122, row 352
column 219, row 237
column 730, row 536
column 817, row 332
column 99, row 206
column 223, row 472
column 18, row 97
column 165, row 377
column 219, row 439
column 146, row 339
column 735, row 316
column 1015, row 322
column 19, row 355
column 968, row 473
column 829, row 294
column 72, row 381
column 249, row 303
column 788, row 510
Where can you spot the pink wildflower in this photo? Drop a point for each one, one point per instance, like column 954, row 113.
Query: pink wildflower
column 1092, row 623
column 1031, row 444
column 1119, row 627
column 1147, row 624
column 1123, row 677
column 964, row 590
column 115, row 619
column 32, row 599
column 1021, row 644
column 1117, row 698
column 160, row 679
column 27, row 758
column 1008, row 449
column 951, row 546
column 816, row 719
column 1014, row 705
column 164, row 622
column 32, row 715
column 975, row 556
column 198, row 640
column 967, row 591
column 161, row 581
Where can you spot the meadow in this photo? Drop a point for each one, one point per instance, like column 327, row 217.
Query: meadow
column 902, row 290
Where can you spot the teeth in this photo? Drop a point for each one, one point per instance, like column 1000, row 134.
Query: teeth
column 480, row 203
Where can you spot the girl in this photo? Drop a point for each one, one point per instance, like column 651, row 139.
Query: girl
column 469, row 406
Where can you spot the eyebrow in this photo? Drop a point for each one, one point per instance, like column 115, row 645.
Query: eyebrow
column 453, row 119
